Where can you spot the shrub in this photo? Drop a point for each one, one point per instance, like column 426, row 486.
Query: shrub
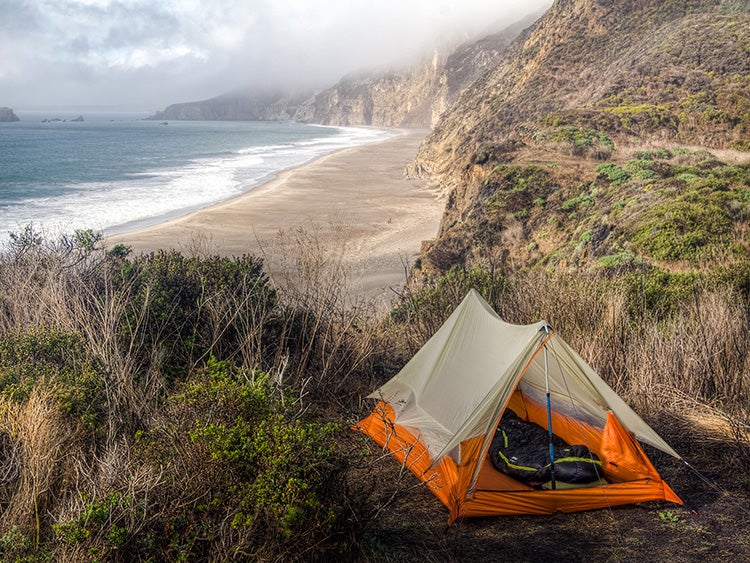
column 659, row 292
column 582, row 200
column 654, row 154
column 582, row 142
column 682, row 230
column 517, row 188
column 642, row 118
column 191, row 307
column 277, row 479
column 619, row 259
column 56, row 359
column 98, row 517
column 613, row 173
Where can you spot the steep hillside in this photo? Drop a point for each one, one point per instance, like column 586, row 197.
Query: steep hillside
column 235, row 107
column 588, row 144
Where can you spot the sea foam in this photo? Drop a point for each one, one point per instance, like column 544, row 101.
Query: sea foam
column 161, row 191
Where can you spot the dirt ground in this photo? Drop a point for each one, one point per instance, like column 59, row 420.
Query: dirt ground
column 712, row 525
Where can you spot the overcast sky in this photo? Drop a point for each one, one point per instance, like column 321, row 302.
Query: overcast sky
column 147, row 54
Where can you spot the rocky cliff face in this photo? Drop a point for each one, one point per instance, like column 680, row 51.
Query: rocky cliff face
column 411, row 97
column 415, row 97
column 7, row 115
column 387, row 99
column 570, row 151
column 238, row 107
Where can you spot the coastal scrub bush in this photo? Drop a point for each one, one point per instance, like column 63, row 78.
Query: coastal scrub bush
column 682, row 230
column 272, row 484
column 582, row 200
column 98, row 518
column 658, row 292
column 642, row 169
column 581, row 142
column 57, row 360
column 644, row 118
column 613, row 173
column 515, row 189
column 190, row 307
column 617, row 260
column 654, row 154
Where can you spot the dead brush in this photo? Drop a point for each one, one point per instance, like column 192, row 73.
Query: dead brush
column 43, row 460
column 325, row 332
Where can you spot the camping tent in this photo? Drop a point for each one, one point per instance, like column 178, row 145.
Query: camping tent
column 439, row 414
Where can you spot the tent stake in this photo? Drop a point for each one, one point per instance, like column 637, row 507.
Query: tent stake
column 549, row 416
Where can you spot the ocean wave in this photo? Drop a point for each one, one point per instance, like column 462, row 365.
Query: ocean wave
column 142, row 197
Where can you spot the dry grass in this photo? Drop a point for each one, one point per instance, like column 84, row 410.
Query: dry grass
column 686, row 372
column 43, row 462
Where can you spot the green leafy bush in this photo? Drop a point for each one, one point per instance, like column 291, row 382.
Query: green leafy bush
column 582, row 142
column 278, row 480
column 581, row 200
column 682, row 230
column 516, row 189
column 98, row 517
column 658, row 291
column 613, row 173
column 654, row 154
column 190, row 307
column 57, row 359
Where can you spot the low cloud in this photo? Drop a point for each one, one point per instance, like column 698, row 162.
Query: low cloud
column 146, row 54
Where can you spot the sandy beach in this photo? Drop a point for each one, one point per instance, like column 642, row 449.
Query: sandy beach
column 354, row 206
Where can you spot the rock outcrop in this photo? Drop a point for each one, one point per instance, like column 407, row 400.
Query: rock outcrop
column 7, row 115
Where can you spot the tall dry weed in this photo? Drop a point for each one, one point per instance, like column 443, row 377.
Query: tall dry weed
column 43, row 460
column 327, row 332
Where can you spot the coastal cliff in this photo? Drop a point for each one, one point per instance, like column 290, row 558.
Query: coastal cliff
column 589, row 142
column 7, row 115
column 235, row 107
column 414, row 96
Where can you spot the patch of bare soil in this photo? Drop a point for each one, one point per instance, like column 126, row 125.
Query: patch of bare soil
column 712, row 525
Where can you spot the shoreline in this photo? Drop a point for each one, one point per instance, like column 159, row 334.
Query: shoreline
column 354, row 205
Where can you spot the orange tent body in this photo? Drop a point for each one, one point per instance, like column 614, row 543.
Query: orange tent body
column 629, row 474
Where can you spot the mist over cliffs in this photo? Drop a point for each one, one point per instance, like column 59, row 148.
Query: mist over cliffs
column 414, row 96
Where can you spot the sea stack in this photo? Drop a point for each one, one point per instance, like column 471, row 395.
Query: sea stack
column 7, row 115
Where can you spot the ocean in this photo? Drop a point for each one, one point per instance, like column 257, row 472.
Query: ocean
column 116, row 172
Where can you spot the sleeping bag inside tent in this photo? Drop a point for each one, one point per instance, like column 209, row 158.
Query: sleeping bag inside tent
column 502, row 419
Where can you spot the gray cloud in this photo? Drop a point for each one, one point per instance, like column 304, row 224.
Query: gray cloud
column 146, row 54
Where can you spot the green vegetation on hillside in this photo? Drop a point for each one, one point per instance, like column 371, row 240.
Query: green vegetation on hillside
column 664, row 208
column 164, row 407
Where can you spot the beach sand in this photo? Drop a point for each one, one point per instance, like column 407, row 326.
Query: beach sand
column 354, row 206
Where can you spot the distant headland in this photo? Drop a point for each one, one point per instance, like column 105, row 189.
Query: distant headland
column 7, row 115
